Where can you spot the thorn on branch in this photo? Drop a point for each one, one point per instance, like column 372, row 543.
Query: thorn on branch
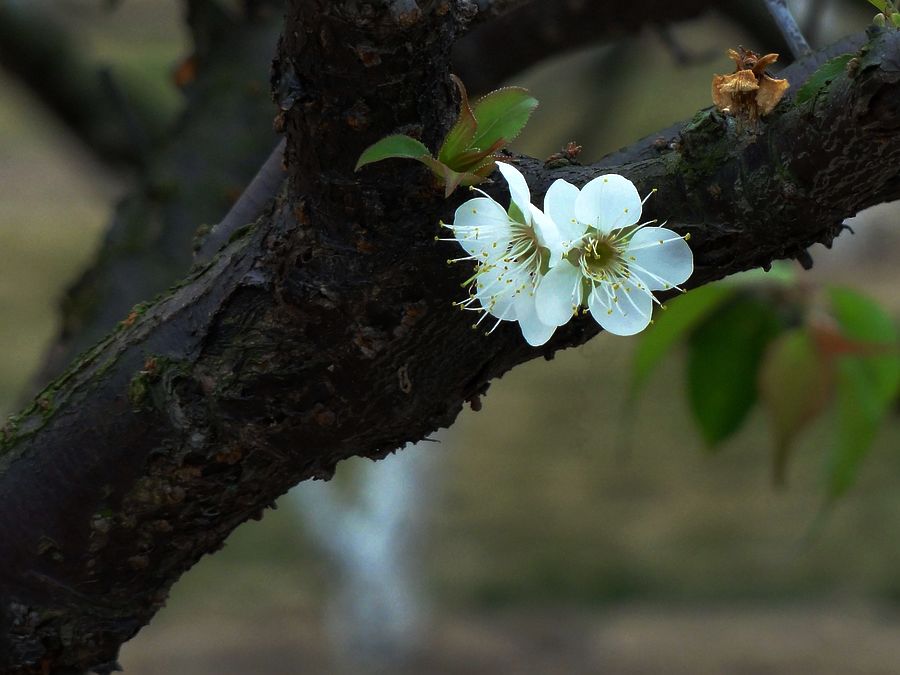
column 805, row 260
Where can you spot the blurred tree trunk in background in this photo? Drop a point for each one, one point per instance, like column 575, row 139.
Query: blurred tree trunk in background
column 324, row 329
column 183, row 181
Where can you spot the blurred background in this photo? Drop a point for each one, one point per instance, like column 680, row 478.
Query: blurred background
column 529, row 538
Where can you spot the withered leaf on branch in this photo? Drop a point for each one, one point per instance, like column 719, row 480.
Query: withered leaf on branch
column 749, row 92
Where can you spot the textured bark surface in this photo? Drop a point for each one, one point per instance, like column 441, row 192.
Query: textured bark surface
column 326, row 329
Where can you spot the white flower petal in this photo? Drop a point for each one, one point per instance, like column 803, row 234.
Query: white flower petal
column 661, row 257
column 481, row 226
column 559, row 205
column 500, row 290
column 500, row 305
column 547, row 234
column 625, row 311
column 518, row 189
column 558, row 294
column 608, row 203
column 535, row 331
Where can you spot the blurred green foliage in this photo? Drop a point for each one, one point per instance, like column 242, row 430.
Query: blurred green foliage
column 781, row 339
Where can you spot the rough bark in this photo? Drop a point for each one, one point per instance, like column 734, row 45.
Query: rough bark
column 326, row 329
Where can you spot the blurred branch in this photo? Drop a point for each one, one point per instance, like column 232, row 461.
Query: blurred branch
column 112, row 122
column 498, row 49
column 813, row 20
column 789, row 27
column 327, row 329
column 753, row 19
column 527, row 34
column 193, row 177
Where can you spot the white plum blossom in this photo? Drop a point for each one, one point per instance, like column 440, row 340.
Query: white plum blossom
column 587, row 248
column 611, row 263
column 512, row 248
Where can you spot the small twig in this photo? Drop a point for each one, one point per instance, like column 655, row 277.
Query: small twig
column 789, row 28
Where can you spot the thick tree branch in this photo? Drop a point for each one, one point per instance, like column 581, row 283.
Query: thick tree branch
column 797, row 73
column 327, row 331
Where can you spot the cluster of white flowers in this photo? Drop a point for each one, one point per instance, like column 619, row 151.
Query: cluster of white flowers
column 585, row 249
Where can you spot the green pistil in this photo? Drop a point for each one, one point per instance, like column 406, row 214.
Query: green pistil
column 600, row 257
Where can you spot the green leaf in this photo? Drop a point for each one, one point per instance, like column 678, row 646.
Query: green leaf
column 794, row 386
column 863, row 320
column 393, row 146
column 880, row 4
column 781, row 273
column 820, row 79
column 859, row 416
column 867, row 385
column 502, row 114
column 460, row 137
column 723, row 360
column 450, row 178
column 671, row 326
